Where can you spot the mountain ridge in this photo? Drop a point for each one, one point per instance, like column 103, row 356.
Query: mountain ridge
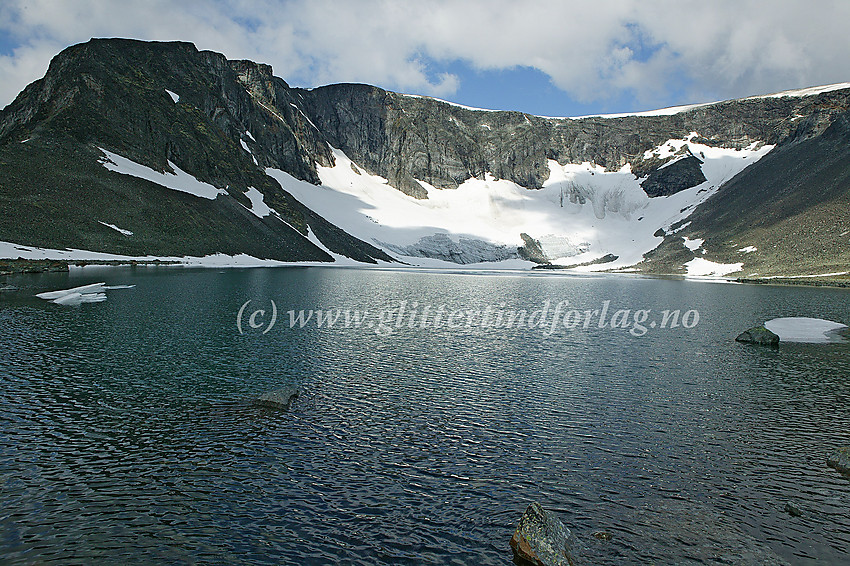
column 228, row 123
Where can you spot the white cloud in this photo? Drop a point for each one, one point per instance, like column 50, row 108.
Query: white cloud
column 592, row 51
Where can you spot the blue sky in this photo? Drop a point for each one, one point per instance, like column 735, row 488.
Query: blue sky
column 547, row 58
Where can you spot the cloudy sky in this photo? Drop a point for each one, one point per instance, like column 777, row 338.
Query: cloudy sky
column 561, row 58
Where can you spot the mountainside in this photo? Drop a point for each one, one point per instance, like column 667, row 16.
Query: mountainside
column 158, row 149
column 114, row 95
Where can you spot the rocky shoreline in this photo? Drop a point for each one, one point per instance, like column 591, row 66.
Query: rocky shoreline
column 800, row 281
column 18, row 266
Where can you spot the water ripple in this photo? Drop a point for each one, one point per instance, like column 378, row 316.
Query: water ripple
column 126, row 431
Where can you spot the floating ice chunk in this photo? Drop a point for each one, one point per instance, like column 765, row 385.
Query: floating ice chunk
column 174, row 96
column 93, row 288
column 803, row 329
column 73, row 299
column 93, row 293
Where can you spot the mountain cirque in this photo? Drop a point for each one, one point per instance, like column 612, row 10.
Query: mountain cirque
column 261, row 144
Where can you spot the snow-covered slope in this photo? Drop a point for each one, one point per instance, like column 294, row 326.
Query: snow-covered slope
column 582, row 213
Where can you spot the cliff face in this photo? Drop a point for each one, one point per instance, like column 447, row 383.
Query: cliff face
column 115, row 93
column 172, row 108
column 404, row 138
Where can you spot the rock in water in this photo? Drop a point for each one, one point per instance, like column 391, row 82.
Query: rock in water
column 542, row 539
column 793, row 510
column 840, row 460
column 279, row 399
column 758, row 335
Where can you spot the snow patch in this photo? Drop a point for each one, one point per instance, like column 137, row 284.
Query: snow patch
column 248, row 149
column 803, row 329
column 116, row 228
column 16, row 251
column 694, row 244
column 258, row 206
column 177, row 181
column 811, row 91
column 748, row 249
column 304, row 115
column 810, row 276
column 174, row 96
column 702, row 267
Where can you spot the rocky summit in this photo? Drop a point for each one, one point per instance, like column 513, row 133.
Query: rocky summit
column 141, row 149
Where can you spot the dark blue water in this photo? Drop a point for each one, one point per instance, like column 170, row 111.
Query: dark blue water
column 127, row 434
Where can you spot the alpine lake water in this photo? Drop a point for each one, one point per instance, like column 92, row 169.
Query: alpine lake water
column 128, row 436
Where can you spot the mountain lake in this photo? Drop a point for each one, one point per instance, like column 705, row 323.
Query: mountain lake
column 130, row 432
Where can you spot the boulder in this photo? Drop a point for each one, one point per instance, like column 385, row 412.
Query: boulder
column 792, row 509
column 279, row 399
column 758, row 335
column 541, row 539
column 840, row 460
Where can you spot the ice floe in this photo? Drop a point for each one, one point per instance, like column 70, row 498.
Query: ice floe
column 92, row 293
column 803, row 329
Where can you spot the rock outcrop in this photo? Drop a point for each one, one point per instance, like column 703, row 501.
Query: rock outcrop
column 279, row 399
column 840, row 460
column 758, row 335
column 673, row 178
column 541, row 539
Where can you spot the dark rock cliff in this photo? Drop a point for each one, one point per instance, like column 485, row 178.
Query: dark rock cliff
column 404, row 138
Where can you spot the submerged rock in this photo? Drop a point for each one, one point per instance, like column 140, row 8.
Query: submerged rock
column 793, row 510
column 279, row 399
column 603, row 535
column 840, row 460
column 541, row 539
column 758, row 335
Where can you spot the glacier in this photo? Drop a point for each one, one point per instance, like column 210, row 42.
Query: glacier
column 582, row 213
